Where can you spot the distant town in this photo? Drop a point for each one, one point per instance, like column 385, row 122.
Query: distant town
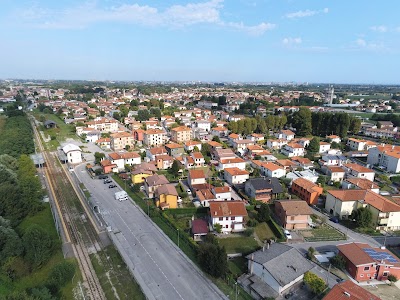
column 276, row 191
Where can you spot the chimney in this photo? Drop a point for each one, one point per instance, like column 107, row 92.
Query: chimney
column 263, row 248
column 347, row 294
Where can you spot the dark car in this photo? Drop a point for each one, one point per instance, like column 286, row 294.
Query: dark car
column 107, row 181
column 103, row 177
column 111, row 186
column 334, row 220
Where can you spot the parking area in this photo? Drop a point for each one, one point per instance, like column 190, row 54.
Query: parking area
column 384, row 291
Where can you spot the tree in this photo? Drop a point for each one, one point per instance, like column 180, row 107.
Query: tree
column 205, row 149
column 264, row 213
column 216, row 139
column 302, row 122
column 213, row 259
column 10, row 242
column 38, row 245
column 363, row 217
column 59, row 275
column 143, row 115
column 311, row 252
column 98, row 156
column 314, row 282
column 392, row 278
column 313, row 147
column 338, row 261
column 175, row 168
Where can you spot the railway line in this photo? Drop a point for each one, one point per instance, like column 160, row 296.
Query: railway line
column 78, row 230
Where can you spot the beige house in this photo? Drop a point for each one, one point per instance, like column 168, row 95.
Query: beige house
column 121, row 140
column 151, row 184
column 181, row 134
column 154, row 137
column 235, row 175
column 293, row 214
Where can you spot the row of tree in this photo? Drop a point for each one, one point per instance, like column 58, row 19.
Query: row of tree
column 323, row 123
column 258, row 124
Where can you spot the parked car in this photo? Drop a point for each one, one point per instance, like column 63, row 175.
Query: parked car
column 189, row 191
column 103, row 177
column 111, row 186
column 107, row 181
column 334, row 220
column 288, row 235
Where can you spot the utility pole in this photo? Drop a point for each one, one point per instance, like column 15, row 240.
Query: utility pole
column 236, row 291
column 327, row 275
column 178, row 236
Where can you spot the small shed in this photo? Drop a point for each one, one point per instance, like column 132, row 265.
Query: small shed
column 199, row 229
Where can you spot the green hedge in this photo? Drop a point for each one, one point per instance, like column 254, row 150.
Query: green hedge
column 276, row 229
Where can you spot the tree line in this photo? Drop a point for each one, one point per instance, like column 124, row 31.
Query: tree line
column 258, row 124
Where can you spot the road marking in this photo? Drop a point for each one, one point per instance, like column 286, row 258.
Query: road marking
column 138, row 241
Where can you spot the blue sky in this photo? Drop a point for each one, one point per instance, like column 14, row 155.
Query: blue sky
column 335, row 41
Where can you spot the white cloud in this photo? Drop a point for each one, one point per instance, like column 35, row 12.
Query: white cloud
column 292, row 41
column 173, row 17
column 362, row 44
column 306, row 13
column 380, row 28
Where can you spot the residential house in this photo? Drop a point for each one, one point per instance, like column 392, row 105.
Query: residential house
column 263, row 189
column 348, row 290
column 199, row 229
column 73, row 153
column 222, row 193
column 306, row 174
column 196, row 177
column 293, row 149
column 306, row 190
column 229, row 214
column 276, row 144
column 214, row 145
column 256, row 137
column 324, row 147
column 166, row 196
column 121, row 141
column 385, row 213
column 293, row 214
column 164, row 162
column 104, row 143
column 303, row 162
column 287, row 164
column 138, row 135
column 140, row 172
column 253, row 150
column 335, row 173
column 219, row 131
column 154, row 137
column 334, row 138
column 235, row 176
column 360, row 145
column 236, row 162
column 332, row 160
column 355, row 170
column 204, row 195
column 220, row 153
column 365, row 263
column 153, row 182
column 189, row 145
column 386, row 156
column 198, row 159
column 271, row 169
column 233, row 137
column 241, row 145
column 152, row 153
column 104, row 124
column 204, row 125
column 360, row 183
column 275, row 269
column 181, row 134
column 174, row 149
column 285, row 135
column 122, row 159
column 108, row 167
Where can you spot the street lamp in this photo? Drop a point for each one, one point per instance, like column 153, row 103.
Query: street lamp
column 236, row 291
column 178, row 236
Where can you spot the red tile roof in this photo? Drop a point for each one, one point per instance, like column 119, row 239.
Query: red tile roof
column 196, row 174
column 227, row 208
column 347, row 290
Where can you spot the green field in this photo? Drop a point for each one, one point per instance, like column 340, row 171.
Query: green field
column 241, row 244
column 323, row 233
column 264, row 232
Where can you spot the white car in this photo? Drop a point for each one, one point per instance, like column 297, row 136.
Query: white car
column 288, row 235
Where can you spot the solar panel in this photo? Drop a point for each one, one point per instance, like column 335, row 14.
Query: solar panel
column 380, row 255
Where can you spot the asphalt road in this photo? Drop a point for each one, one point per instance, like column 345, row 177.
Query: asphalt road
column 161, row 269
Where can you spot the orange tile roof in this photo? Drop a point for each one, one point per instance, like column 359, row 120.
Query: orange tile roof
column 363, row 183
column 285, row 163
column 336, row 169
column 192, row 143
column 294, row 145
column 294, row 207
column 302, row 160
column 348, row 195
column 272, row 166
column 236, row 171
column 358, row 168
column 227, row 208
column 306, row 184
column 219, row 128
column 221, row 189
column 173, row 146
column 196, row 174
column 181, row 128
column 154, row 131
column 232, row 160
column 214, row 144
column 197, row 155
column 347, row 290
column 381, row 203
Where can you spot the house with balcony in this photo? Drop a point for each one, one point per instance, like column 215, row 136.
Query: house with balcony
column 303, row 162
column 190, row 145
column 263, row 189
column 235, row 176
column 166, row 196
column 152, row 153
column 386, row 156
column 152, row 183
column 293, row 149
column 293, row 214
column 122, row 159
column 276, row 144
column 365, row 263
column 181, row 134
column 229, row 214
column 140, row 172
column 334, row 138
column 241, row 145
column 174, row 149
column 332, row 160
column 355, row 170
column 271, row 169
column 306, row 190
column 121, row 140
column 287, row 135
column 196, row 177
column 236, row 162
column 324, row 147
column 360, row 184
column 154, row 137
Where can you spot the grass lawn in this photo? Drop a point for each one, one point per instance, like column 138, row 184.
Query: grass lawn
column 237, row 266
column 242, row 244
column 323, row 233
column 264, row 232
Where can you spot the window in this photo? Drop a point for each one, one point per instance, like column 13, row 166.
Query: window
column 362, row 275
column 221, row 218
column 226, row 226
column 385, row 274
column 369, row 275
column 232, row 218
column 366, row 268
column 227, row 218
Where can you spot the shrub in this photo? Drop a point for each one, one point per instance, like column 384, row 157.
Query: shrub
column 392, row 278
column 249, row 231
column 60, row 275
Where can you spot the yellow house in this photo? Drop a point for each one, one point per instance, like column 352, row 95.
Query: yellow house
column 167, row 197
column 142, row 171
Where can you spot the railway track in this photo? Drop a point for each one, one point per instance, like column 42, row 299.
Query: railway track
column 79, row 231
